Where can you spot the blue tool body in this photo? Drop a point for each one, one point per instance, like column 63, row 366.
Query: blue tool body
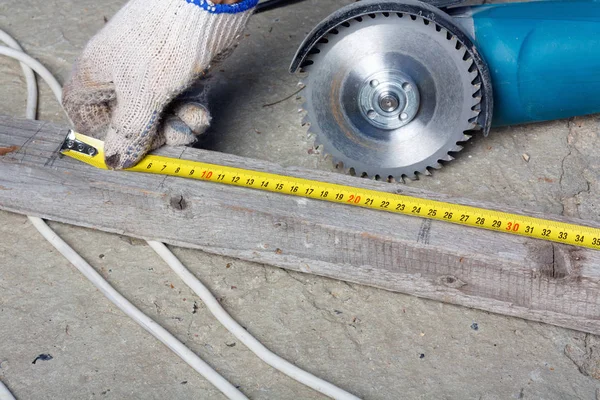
column 544, row 57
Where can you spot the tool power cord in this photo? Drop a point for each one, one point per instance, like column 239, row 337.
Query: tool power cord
column 29, row 65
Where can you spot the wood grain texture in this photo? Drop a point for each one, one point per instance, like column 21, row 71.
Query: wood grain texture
column 504, row 274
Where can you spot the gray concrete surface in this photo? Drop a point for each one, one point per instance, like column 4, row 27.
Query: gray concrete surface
column 377, row 344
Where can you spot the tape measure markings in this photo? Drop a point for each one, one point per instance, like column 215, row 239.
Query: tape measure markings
column 476, row 217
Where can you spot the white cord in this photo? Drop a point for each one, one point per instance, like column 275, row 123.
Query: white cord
column 32, row 90
column 32, row 94
column 242, row 334
column 146, row 322
column 36, row 66
column 5, row 394
column 143, row 320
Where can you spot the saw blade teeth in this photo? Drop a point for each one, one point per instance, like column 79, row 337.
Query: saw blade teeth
column 412, row 177
column 476, row 108
column 473, row 77
column 459, row 53
column 339, row 165
column 471, row 66
column 312, row 135
column 317, row 142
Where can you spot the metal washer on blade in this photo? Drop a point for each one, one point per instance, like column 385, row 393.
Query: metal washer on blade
column 389, row 99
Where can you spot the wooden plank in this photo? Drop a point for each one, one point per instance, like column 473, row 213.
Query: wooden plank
column 500, row 273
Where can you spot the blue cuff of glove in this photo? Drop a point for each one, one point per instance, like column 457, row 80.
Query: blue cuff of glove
column 242, row 6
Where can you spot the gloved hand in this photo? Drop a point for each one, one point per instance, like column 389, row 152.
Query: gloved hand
column 124, row 84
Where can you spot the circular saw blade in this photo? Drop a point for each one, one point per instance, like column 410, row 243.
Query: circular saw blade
column 389, row 49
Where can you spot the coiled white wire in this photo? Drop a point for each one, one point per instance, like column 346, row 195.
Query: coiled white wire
column 124, row 305
column 28, row 63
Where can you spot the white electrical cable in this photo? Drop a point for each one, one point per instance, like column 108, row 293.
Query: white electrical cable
column 146, row 322
column 124, row 305
column 32, row 94
column 242, row 334
column 32, row 90
column 5, row 394
column 36, row 66
column 189, row 279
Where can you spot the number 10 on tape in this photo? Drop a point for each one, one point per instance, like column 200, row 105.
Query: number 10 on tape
column 91, row 151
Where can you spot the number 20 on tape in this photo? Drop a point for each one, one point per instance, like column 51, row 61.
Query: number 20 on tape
column 90, row 151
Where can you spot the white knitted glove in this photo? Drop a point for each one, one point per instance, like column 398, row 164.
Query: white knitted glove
column 124, row 84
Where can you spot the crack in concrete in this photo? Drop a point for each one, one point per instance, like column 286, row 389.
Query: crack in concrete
column 289, row 273
column 328, row 314
column 562, row 166
column 586, row 358
column 587, row 190
column 571, row 196
column 349, row 285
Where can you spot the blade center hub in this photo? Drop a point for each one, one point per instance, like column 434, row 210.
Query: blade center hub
column 389, row 99
column 388, row 102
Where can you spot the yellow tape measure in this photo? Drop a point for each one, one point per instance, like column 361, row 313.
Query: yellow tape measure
column 91, row 151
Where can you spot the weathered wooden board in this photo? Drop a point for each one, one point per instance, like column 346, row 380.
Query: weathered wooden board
column 500, row 273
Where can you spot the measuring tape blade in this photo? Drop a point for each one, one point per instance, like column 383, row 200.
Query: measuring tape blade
column 91, row 151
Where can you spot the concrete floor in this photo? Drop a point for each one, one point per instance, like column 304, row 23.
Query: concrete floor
column 376, row 344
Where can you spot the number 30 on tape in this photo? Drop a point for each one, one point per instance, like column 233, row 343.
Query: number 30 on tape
column 91, row 151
